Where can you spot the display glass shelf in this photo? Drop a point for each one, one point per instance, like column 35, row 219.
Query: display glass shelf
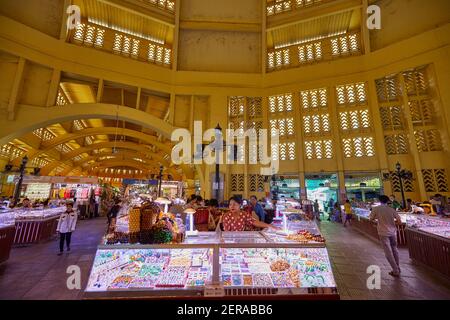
column 276, row 268
column 433, row 225
column 150, row 269
column 7, row 219
column 36, row 214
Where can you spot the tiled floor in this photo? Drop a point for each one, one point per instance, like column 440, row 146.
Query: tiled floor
column 351, row 253
column 36, row 272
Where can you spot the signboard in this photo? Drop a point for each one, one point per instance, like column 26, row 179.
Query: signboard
column 12, row 178
column 137, row 181
column 55, row 179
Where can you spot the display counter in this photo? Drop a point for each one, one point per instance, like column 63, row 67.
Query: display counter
column 362, row 223
column 429, row 242
column 7, row 229
column 34, row 226
column 258, row 264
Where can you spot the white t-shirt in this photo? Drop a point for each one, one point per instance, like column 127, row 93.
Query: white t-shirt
column 386, row 220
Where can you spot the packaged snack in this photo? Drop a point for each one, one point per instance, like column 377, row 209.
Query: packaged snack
column 237, row 280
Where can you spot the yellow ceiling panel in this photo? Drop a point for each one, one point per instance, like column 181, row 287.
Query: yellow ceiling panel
column 313, row 29
column 124, row 21
column 78, row 93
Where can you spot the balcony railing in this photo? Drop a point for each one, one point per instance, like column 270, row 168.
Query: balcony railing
column 326, row 49
column 275, row 7
column 123, row 44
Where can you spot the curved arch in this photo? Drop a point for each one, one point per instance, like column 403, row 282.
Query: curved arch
column 120, row 144
column 125, row 163
column 119, row 156
column 46, row 170
column 50, row 144
column 32, row 118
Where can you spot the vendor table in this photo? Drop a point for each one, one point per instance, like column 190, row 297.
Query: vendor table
column 6, row 241
column 35, row 230
column 362, row 224
column 216, row 265
column 431, row 250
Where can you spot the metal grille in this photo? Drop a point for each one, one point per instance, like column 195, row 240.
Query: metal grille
column 388, row 89
column 435, row 180
column 396, row 144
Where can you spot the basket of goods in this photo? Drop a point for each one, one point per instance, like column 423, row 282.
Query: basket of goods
column 161, row 232
column 117, row 237
column 149, row 214
column 280, row 265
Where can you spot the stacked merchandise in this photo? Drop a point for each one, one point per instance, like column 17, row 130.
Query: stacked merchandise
column 434, row 226
column 37, row 191
column 276, row 268
column 148, row 269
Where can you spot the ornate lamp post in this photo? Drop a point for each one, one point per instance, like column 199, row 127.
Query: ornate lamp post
column 218, row 148
column 19, row 183
column 160, row 180
column 402, row 175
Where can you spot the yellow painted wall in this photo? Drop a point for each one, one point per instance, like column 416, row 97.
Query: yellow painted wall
column 217, row 64
column 402, row 19
column 42, row 15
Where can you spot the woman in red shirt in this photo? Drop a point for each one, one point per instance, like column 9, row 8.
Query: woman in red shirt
column 237, row 220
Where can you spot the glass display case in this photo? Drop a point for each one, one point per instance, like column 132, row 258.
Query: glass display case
column 7, row 231
column 38, row 214
column 225, row 264
column 36, row 225
column 7, row 219
column 432, row 225
column 429, row 241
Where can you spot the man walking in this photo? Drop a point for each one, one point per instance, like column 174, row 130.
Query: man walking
column 388, row 219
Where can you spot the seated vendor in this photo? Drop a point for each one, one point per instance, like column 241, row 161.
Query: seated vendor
column 428, row 208
column 237, row 220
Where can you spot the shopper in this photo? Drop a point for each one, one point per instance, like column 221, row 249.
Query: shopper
column 409, row 205
column 192, row 202
column 348, row 213
column 331, row 204
column 200, row 202
column 66, row 225
column 237, row 220
column 316, row 210
column 336, row 213
column 112, row 214
column 26, row 203
column 92, row 205
column 387, row 219
column 257, row 209
column 394, row 203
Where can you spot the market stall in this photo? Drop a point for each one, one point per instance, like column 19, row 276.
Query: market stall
column 429, row 242
column 362, row 224
column 7, row 229
column 34, row 226
column 291, row 263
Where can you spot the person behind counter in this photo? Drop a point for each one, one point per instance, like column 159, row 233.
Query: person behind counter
column 26, row 203
column 66, row 225
column 237, row 220
column 112, row 214
column 257, row 208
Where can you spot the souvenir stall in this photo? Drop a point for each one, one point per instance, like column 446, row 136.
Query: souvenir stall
column 79, row 188
column 152, row 255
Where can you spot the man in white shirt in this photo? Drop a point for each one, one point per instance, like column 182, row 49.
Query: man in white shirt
column 388, row 219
